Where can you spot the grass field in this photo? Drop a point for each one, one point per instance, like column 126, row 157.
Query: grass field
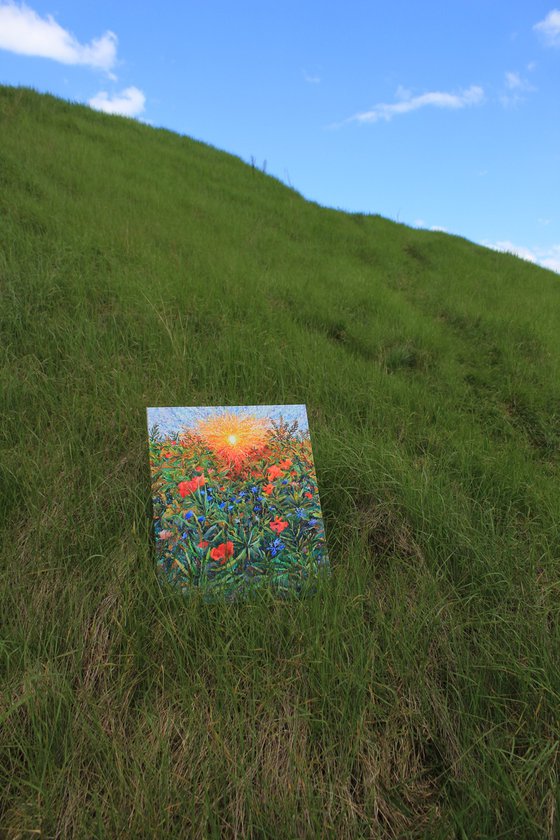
column 417, row 694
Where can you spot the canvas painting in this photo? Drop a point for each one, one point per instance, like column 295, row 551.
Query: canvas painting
column 235, row 500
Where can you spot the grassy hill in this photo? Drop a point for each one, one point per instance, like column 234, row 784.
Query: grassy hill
column 417, row 694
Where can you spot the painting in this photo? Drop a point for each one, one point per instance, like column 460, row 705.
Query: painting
column 235, row 500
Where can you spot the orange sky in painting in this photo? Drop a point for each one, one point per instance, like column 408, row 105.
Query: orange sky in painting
column 233, row 437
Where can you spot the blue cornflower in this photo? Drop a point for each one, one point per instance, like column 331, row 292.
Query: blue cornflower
column 254, row 489
column 189, row 514
column 285, row 481
column 313, row 521
column 222, row 505
column 201, row 518
column 230, row 507
column 300, row 513
column 184, row 535
column 276, row 546
column 242, row 494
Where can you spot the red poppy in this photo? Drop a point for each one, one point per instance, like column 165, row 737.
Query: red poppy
column 203, row 544
column 274, row 472
column 199, row 469
column 167, row 454
column 309, row 495
column 285, row 464
column 278, row 525
column 222, row 552
column 190, row 486
column 268, row 488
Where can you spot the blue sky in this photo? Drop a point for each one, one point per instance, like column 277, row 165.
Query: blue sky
column 172, row 419
column 441, row 115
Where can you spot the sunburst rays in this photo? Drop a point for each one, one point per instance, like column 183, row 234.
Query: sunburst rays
column 233, row 437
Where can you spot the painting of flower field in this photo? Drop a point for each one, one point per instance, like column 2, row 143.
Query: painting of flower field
column 235, row 500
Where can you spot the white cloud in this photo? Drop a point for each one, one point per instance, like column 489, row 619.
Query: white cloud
column 420, row 223
column 516, row 82
column 513, row 80
column 509, row 248
column 553, row 263
column 516, row 85
column 129, row 103
column 551, row 258
column 472, row 96
column 549, row 28
column 402, row 93
column 22, row 31
column 313, row 80
column 546, row 257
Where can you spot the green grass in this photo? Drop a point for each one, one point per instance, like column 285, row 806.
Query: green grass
column 417, row 694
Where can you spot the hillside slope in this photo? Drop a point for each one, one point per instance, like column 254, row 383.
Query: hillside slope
column 419, row 692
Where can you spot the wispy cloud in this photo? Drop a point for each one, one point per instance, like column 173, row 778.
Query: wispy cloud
column 514, row 81
column 128, row 103
column 420, row 223
column 552, row 260
column 546, row 257
column 516, row 85
column 549, row 28
column 509, row 248
column 473, row 95
column 24, row 32
column 311, row 79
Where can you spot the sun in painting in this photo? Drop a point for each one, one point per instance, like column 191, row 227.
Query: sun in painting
column 233, row 437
